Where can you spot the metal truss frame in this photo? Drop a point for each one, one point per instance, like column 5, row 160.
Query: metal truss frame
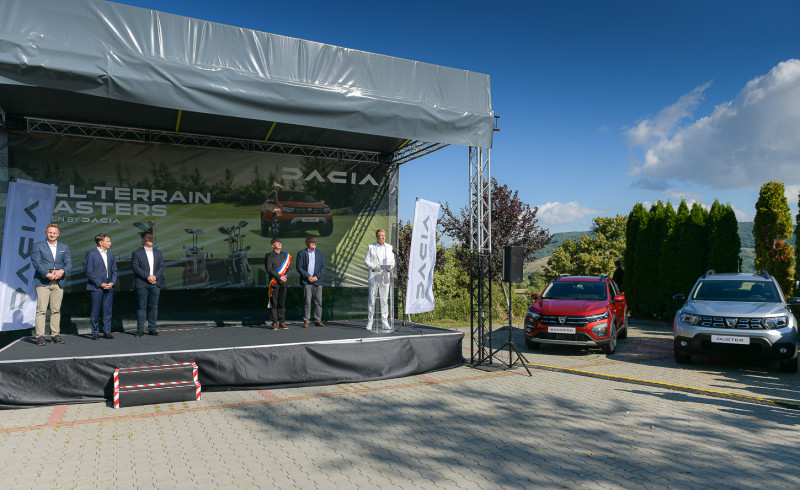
column 414, row 150
column 103, row 131
column 480, row 247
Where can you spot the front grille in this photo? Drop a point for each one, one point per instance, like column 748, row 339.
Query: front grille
column 570, row 321
column 309, row 210
column 580, row 336
column 731, row 322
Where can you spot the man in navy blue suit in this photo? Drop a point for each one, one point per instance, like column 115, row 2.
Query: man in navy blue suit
column 101, row 271
column 311, row 266
column 148, row 279
column 52, row 262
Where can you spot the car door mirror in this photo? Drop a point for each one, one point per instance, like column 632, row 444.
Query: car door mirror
column 618, row 298
column 679, row 297
column 794, row 300
column 534, row 296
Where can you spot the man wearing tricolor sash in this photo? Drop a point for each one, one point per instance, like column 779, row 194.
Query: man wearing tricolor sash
column 277, row 264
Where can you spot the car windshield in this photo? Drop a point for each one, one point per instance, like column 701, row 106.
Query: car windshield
column 296, row 196
column 736, row 290
column 592, row 290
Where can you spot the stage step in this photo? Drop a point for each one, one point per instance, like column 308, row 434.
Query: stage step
column 148, row 385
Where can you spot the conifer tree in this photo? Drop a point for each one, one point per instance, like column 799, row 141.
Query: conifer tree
column 724, row 243
column 637, row 221
column 772, row 228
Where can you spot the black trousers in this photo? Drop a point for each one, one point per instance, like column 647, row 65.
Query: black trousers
column 278, row 303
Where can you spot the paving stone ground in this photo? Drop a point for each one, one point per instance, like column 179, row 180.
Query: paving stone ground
column 458, row 428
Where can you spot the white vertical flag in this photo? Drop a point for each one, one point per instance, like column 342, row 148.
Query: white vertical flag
column 422, row 258
column 28, row 212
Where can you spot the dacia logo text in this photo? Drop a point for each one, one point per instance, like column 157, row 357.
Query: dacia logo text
column 334, row 176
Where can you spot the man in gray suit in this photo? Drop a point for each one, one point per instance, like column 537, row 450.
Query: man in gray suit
column 52, row 262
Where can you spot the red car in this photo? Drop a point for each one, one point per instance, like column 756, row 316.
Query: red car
column 290, row 210
column 573, row 310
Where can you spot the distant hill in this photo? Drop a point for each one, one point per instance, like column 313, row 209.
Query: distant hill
column 745, row 236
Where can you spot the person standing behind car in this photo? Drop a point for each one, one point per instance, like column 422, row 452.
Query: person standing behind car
column 619, row 274
column 311, row 267
column 52, row 262
column 148, row 279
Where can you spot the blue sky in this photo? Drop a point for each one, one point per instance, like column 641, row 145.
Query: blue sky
column 602, row 104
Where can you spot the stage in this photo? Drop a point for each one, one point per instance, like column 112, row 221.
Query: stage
column 228, row 358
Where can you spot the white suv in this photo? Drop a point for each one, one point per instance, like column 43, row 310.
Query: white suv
column 743, row 315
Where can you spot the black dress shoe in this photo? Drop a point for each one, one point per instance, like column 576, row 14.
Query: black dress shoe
column 40, row 341
column 95, row 336
column 153, row 332
column 108, row 336
column 139, row 333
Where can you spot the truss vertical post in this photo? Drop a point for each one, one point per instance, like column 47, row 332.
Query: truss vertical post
column 480, row 248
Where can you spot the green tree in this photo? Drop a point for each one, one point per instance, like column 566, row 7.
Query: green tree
column 724, row 243
column 592, row 254
column 637, row 221
column 514, row 223
column 692, row 246
column 664, row 239
column 772, row 228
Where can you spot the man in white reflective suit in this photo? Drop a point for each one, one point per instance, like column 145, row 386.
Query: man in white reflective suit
column 380, row 262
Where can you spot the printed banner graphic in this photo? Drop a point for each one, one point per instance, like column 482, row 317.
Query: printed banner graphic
column 212, row 212
column 28, row 211
column 419, row 292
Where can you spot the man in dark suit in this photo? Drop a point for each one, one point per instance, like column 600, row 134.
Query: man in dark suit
column 101, row 272
column 277, row 264
column 52, row 262
column 311, row 266
column 148, row 279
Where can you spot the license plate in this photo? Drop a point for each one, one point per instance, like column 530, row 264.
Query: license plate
column 727, row 339
column 309, row 220
column 560, row 329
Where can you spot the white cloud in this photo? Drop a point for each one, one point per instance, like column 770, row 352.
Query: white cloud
column 558, row 213
column 791, row 192
column 648, row 131
column 743, row 143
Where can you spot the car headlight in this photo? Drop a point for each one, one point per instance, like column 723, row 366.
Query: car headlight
column 690, row 318
column 532, row 316
column 326, row 210
column 776, row 321
column 600, row 330
column 598, row 317
column 288, row 209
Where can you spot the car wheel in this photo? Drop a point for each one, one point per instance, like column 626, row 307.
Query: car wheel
column 326, row 229
column 531, row 344
column 681, row 357
column 276, row 227
column 611, row 346
column 264, row 226
column 789, row 366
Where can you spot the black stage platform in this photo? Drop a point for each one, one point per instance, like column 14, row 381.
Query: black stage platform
column 228, row 358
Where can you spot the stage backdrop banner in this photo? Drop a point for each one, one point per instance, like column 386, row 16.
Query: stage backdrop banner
column 419, row 292
column 212, row 212
column 28, row 212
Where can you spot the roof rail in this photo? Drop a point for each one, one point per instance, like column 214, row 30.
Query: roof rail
column 561, row 275
column 603, row 277
column 765, row 275
column 709, row 272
